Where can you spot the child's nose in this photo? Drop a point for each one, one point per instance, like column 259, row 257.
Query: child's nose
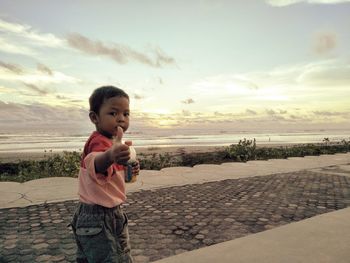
column 120, row 118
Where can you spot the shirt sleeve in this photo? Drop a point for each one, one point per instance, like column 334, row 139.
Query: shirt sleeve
column 96, row 147
column 100, row 178
column 99, row 145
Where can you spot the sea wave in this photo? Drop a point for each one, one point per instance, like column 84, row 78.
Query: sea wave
column 75, row 142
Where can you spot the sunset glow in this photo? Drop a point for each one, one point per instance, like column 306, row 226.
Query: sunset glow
column 187, row 64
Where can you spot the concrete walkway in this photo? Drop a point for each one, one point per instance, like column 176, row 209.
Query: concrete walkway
column 65, row 188
column 320, row 239
column 323, row 238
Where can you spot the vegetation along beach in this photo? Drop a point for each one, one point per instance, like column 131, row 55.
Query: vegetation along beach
column 25, row 166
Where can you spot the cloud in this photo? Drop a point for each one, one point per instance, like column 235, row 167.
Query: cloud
column 330, row 74
column 14, row 48
column 17, row 38
column 275, row 118
column 43, row 75
column 186, row 113
column 251, row 112
column 292, row 2
column 5, row 90
column 283, row 111
column 119, row 53
column 216, row 113
column 41, row 116
column 309, row 86
column 23, row 31
column 270, row 112
column 68, row 100
column 240, row 121
column 44, row 69
column 138, row 97
column 67, row 119
column 162, row 58
column 11, row 67
column 243, row 120
column 330, row 113
column 324, row 42
column 242, row 81
column 36, row 89
column 60, row 97
column 188, row 101
column 227, row 85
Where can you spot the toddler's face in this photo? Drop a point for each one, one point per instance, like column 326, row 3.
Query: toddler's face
column 114, row 112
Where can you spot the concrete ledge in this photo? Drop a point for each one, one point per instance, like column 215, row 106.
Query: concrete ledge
column 321, row 239
column 65, row 188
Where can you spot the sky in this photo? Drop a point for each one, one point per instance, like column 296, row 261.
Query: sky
column 214, row 65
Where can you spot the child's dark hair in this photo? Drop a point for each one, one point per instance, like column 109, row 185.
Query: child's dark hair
column 102, row 93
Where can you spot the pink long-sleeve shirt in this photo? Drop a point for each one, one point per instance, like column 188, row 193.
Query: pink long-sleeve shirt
column 108, row 189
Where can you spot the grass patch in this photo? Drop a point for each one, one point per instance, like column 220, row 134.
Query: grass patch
column 62, row 165
column 67, row 164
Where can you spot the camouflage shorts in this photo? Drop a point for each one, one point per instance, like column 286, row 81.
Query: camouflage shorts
column 101, row 234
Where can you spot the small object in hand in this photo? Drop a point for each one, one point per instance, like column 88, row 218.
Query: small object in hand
column 129, row 178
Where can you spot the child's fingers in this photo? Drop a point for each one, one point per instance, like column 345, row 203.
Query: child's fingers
column 135, row 171
column 128, row 143
column 136, row 163
column 122, row 160
column 136, row 168
column 118, row 138
column 119, row 149
column 122, row 157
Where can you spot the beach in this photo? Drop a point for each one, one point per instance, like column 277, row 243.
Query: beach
column 6, row 157
column 142, row 151
column 27, row 145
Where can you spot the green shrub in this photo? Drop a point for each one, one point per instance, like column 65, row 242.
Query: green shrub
column 192, row 159
column 158, row 161
column 67, row 163
column 245, row 150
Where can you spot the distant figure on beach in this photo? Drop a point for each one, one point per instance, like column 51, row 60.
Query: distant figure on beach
column 99, row 224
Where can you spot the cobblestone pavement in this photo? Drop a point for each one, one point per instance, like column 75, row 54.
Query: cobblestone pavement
column 173, row 220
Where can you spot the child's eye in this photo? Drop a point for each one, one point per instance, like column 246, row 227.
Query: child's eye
column 127, row 114
column 114, row 114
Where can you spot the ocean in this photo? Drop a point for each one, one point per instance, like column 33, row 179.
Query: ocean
column 55, row 142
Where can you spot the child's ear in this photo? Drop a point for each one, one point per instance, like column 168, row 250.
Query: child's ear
column 93, row 117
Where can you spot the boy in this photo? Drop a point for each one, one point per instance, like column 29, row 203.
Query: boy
column 99, row 225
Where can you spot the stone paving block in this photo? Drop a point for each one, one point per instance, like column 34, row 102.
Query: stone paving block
column 173, row 220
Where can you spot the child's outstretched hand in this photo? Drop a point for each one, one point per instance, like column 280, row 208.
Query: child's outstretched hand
column 135, row 164
column 119, row 152
column 136, row 168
